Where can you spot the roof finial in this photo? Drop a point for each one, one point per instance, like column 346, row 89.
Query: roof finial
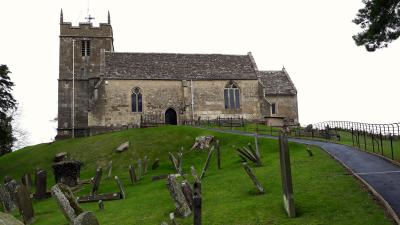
column 109, row 18
column 283, row 68
column 61, row 16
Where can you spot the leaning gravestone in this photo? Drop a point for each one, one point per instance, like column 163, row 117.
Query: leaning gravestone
column 132, row 174
column 286, row 174
column 123, row 147
column 120, row 187
column 41, row 185
column 253, row 178
column 140, row 170
column 96, row 181
column 66, row 201
column 156, row 164
column 25, row 204
column 5, row 200
column 86, row 218
column 109, row 170
column 7, row 219
column 175, row 190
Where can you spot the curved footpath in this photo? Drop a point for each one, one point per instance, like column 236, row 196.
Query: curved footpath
column 380, row 175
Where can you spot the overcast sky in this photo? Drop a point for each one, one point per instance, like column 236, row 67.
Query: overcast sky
column 335, row 79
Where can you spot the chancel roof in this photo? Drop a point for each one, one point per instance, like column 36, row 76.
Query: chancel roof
column 170, row 66
column 277, row 82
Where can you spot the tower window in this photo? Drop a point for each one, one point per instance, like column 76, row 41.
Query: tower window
column 136, row 100
column 85, row 47
column 232, row 96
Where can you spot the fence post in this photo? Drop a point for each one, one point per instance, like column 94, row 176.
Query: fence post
column 373, row 143
column 380, row 136
column 391, row 144
column 352, row 136
column 365, row 141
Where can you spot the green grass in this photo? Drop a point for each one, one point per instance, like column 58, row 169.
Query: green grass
column 324, row 192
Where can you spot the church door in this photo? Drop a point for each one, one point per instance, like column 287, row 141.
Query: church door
column 170, row 117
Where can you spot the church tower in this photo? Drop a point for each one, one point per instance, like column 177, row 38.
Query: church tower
column 81, row 51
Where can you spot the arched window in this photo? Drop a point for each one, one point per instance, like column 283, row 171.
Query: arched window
column 232, row 96
column 136, row 100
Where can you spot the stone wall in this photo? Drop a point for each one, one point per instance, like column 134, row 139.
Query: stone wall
column 286, row 106
column 114, row 103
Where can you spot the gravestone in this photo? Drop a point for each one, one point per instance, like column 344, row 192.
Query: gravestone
column 61, row 156
column 11, row 187
column 7, row 179
column 67, row 172
column 41, row 185
column 145, row 162
column 203, row 173
column 286, row 175
column 175, row 191
column 96, row 181
column 7, row 219
column 132, row 174
column 218, row 155
column 101, row 205
column 120, row 187
column 187, row 192
column 194, row 174
column 196, row 203
column 140, row 170
column 5, row 200
column 66, row 201
column 123, row 147
column 109, row 170
column 202, row 142
column 155, row 164
column 174, row 162
column 172, row 218
column 253, row 178
column 24, row 203
column 86, row 218
column 27, row 180
column 257, row 147
column 98, row 197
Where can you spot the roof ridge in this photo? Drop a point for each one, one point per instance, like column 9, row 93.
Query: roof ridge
column 172, row 53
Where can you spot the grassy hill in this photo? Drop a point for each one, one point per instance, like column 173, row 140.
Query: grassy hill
column 324, row 192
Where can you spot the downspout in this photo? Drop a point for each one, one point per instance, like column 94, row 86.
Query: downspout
column 191, row 90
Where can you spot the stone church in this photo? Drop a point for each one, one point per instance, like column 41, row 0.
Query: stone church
column 101, row 89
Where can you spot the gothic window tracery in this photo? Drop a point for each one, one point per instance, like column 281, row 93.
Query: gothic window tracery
column 232, row 96
column 136, row 100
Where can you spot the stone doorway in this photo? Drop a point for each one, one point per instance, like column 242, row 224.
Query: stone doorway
column 170, row 117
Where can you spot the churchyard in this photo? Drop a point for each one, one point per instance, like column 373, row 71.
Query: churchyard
column 155, row 178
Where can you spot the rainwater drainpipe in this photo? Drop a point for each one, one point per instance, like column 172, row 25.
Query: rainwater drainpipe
column 191, row 90
column 73, row 89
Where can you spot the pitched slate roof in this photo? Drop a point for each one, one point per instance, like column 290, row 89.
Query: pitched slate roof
column 277, row 82
column 168, row 66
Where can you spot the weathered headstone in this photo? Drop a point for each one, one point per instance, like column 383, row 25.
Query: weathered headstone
column 25, row 204
column 120, row 187
column 96, row 181
column 203, row 173
column 218, row 155
column 286, row 175
column 179, row 199
column 86, row 218
column 132, row 174
column 103, row 197
column 257, row 146
column 66, row 201
column 180, row 161
column 7, row 219
column 253, row 178
column 123, row 147
column 27, row 180
column 145, row 163
column 67, row 172
column 196, row 203
column 202, row 142
column 11, row 187
column 155, row 164
column 172, row 218
column 140, row 170
column 5, row 200
column 41, row 185
column 109, row 170
column 187, row 192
